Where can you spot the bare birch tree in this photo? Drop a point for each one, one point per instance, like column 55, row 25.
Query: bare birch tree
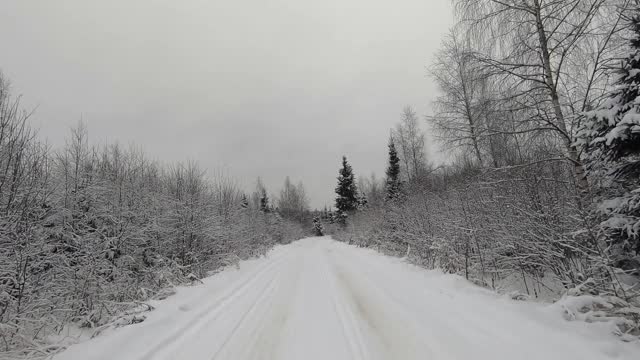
column 531, row 45
column 461, row 107
column 411, row 144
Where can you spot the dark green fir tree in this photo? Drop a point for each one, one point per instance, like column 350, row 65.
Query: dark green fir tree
column 393, row 186
column 610, row 140
column 264, row 201
column 347, row 199
column 244, row 202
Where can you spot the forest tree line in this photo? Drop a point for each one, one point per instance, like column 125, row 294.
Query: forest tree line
column 89, row 232
column 537, row 113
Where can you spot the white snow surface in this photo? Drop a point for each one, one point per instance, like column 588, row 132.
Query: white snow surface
column 321, row 299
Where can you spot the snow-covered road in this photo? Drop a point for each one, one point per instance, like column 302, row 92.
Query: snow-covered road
column 321, row 299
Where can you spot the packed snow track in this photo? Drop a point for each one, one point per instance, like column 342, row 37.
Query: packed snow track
column 321, row 299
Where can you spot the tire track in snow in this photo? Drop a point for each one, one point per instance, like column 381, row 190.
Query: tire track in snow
column 482, row 334
column 266, row 291
column 269, row 331
column 394, row 331
column 211, row 312
column 353, row 334
column 390, row 287
column 483, row 331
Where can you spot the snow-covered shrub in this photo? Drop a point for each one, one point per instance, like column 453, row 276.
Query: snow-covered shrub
column 585, row 302
column 523, row 222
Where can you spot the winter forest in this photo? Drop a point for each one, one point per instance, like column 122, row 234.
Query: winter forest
column 537, row 196
column 537, row 105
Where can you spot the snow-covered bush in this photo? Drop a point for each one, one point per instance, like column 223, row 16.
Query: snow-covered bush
column 523, row 222
column 585, row 302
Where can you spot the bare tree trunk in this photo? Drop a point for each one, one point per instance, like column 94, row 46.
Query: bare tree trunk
column 578, row 168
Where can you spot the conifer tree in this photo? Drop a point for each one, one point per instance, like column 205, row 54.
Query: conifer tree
column 362, row 200
column 610, row 137
column 332, row 216
column 264, row 201
column 347, row 199
column 318, row 229
column 393, row 186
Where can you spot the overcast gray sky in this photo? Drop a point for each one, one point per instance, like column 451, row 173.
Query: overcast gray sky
column 260, row 87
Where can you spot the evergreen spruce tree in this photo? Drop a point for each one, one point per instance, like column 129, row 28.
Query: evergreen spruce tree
column 244, row 202
column 362, row 201
column 393, row 185
column 318, row 229
column 610, row 138
column 347, row 199
column 264, row 201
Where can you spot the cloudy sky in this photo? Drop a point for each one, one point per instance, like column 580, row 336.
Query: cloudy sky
column 258, row 87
